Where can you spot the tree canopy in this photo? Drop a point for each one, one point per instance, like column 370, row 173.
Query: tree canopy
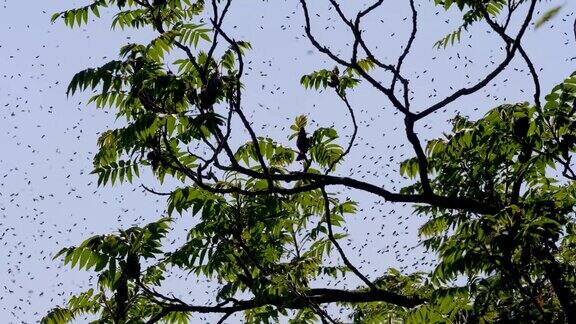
column 498, row 193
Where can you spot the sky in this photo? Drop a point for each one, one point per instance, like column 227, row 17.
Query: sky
column 49, row 200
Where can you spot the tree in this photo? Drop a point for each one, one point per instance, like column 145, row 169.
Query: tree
column 497, row 215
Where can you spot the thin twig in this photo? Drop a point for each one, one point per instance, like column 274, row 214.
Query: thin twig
column 332, row 239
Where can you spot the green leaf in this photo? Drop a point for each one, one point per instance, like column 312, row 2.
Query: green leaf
column 547, row 16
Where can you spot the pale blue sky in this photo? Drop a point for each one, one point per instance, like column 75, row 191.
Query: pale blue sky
column 48, row 200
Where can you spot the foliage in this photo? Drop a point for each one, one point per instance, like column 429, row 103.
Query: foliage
column 490, row 159
column 547, row 16
column 498, row 192
column 474, row 13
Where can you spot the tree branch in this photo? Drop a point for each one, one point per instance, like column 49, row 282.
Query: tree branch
column 327, row 216
column 488, row 78
column 294, row 301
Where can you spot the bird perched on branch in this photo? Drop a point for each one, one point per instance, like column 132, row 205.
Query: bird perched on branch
column 132, row 266
column 209, row 93
column 521, row 126
column 303, row 144
column 334, row 81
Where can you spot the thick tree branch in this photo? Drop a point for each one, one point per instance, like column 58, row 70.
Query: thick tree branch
column 294, row 301
column 420, row 155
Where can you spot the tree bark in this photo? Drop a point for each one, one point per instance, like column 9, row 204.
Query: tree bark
column 561, row 289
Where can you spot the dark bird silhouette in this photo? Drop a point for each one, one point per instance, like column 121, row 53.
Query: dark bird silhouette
column 521, row 127
column 132, row 266
column 154, row 159
column 333, row 82
column 209, row 94
column 303, row 144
